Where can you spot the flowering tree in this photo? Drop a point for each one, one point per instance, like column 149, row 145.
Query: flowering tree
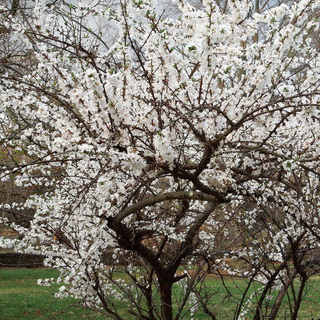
column 168, row 149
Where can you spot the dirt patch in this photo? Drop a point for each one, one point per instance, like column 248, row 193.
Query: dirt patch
column 19, row 260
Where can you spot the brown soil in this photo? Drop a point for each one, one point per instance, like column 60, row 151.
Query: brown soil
column 19, row 260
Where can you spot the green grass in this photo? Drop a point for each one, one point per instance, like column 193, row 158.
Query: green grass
column 22, row 298
column 224, row 305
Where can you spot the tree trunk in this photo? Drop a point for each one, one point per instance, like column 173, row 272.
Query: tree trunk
column 281, row 295
column 299, row 298
column 166, row 299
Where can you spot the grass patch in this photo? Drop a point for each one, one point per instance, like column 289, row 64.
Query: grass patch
column 22, row 298
column 225, row 304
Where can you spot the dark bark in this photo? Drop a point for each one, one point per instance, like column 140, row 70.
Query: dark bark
column 282, row 293
column 299, row 298
column 267, row 287
column 166, row 298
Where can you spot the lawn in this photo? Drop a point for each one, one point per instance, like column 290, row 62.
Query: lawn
column 225, row 304
column 22, row 298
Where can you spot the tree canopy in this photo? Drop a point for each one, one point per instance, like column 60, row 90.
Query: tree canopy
column 168, row 148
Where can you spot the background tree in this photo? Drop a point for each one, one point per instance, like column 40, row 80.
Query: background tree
column 181, row 148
